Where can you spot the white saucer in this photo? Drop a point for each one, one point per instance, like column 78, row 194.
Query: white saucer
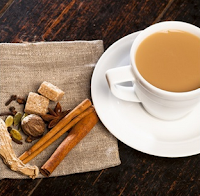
column 130, row 123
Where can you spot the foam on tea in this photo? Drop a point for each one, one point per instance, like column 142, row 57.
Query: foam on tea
column 170, row 60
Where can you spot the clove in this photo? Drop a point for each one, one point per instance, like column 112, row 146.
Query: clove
column 6, row 113
column 12, row 98
column 20, row 100
column 12, row 110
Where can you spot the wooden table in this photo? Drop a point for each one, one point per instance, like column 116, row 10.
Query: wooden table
column 56, row 20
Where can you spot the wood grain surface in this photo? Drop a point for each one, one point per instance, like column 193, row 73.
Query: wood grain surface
column 56, row 20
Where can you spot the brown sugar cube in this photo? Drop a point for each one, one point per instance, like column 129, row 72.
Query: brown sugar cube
column 36, row 104
column 50, row 91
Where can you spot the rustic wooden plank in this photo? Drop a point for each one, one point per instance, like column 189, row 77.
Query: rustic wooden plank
column 164, row 11
column 23, row 187
column 4, row 5
column 163, row 176
column 72, row 20
column 187, row 11
column 75, row 184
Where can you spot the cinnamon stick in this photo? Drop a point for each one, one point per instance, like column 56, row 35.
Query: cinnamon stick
column 78, row 132
column 75, row 112
column 58, row 134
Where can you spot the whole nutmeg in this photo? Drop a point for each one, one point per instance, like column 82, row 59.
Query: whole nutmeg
column 33, row 125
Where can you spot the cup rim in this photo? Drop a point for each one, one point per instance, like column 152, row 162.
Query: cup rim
column 139, row 78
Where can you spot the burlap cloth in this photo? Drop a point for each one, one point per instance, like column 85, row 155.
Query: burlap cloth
column 68, row 65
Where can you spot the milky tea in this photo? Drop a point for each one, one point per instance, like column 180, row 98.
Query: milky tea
column 170, row 60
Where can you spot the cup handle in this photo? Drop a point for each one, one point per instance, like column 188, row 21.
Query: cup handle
column 118, row 75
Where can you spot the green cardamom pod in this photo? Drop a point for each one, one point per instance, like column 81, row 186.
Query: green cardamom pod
column 17, row 118
column 9, row 121
column 16, row 134
column 24, row 115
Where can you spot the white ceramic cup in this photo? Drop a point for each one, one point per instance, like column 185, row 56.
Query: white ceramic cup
column 160, row 103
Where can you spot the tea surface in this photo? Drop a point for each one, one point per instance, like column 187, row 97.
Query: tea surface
column 170, row 60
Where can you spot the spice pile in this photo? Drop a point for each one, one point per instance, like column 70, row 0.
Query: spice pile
column 32, row 122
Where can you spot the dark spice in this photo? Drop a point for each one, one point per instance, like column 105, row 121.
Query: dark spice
column 29, row 139
column 54, row 116
column 9, row 129
column 21, row 100
column 6, row 113
column 12, row 98
column 15, row 140
column 12, row 110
